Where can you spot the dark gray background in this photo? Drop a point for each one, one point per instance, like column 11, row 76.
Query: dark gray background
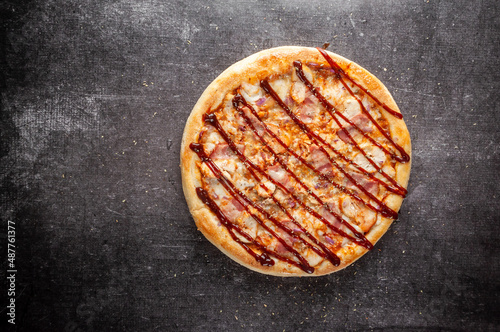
column 94, row 97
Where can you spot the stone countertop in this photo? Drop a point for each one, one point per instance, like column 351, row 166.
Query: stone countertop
column 94, row 98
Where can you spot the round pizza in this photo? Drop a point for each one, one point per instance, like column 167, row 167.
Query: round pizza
column 295, row 161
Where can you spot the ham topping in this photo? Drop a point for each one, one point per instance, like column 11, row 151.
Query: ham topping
column 221, row 151
column 320, row 161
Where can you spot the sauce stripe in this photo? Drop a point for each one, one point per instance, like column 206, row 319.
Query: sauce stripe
column 240, row 99
column 359, row 238
column 386, row 211
column 332, row 111
column 404, row 156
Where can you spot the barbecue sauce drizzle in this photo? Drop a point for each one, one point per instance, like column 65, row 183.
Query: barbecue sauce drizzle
column 240, row 99
column 386, row 211
column 337, row 68
column 405, row 157
column 264, row 258
column 360, row 239
column 242, row 199
column 332, row 111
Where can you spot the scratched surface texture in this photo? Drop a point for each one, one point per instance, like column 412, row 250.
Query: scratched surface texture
column 94, row 97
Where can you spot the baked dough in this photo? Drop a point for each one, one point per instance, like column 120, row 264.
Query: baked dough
column 306, row 196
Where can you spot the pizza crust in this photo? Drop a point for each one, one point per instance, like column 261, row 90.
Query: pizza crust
column 253, row 69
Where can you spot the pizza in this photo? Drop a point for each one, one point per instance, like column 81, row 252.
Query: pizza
column 295, row 161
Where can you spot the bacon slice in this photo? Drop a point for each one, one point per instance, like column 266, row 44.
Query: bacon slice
column 362, row 122
column 370, row 185
column 320, row 161
column 221, row 151
column 306, row 112
column 278, row 174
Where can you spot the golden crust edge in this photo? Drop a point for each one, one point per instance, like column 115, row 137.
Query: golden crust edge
column 211, row 98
